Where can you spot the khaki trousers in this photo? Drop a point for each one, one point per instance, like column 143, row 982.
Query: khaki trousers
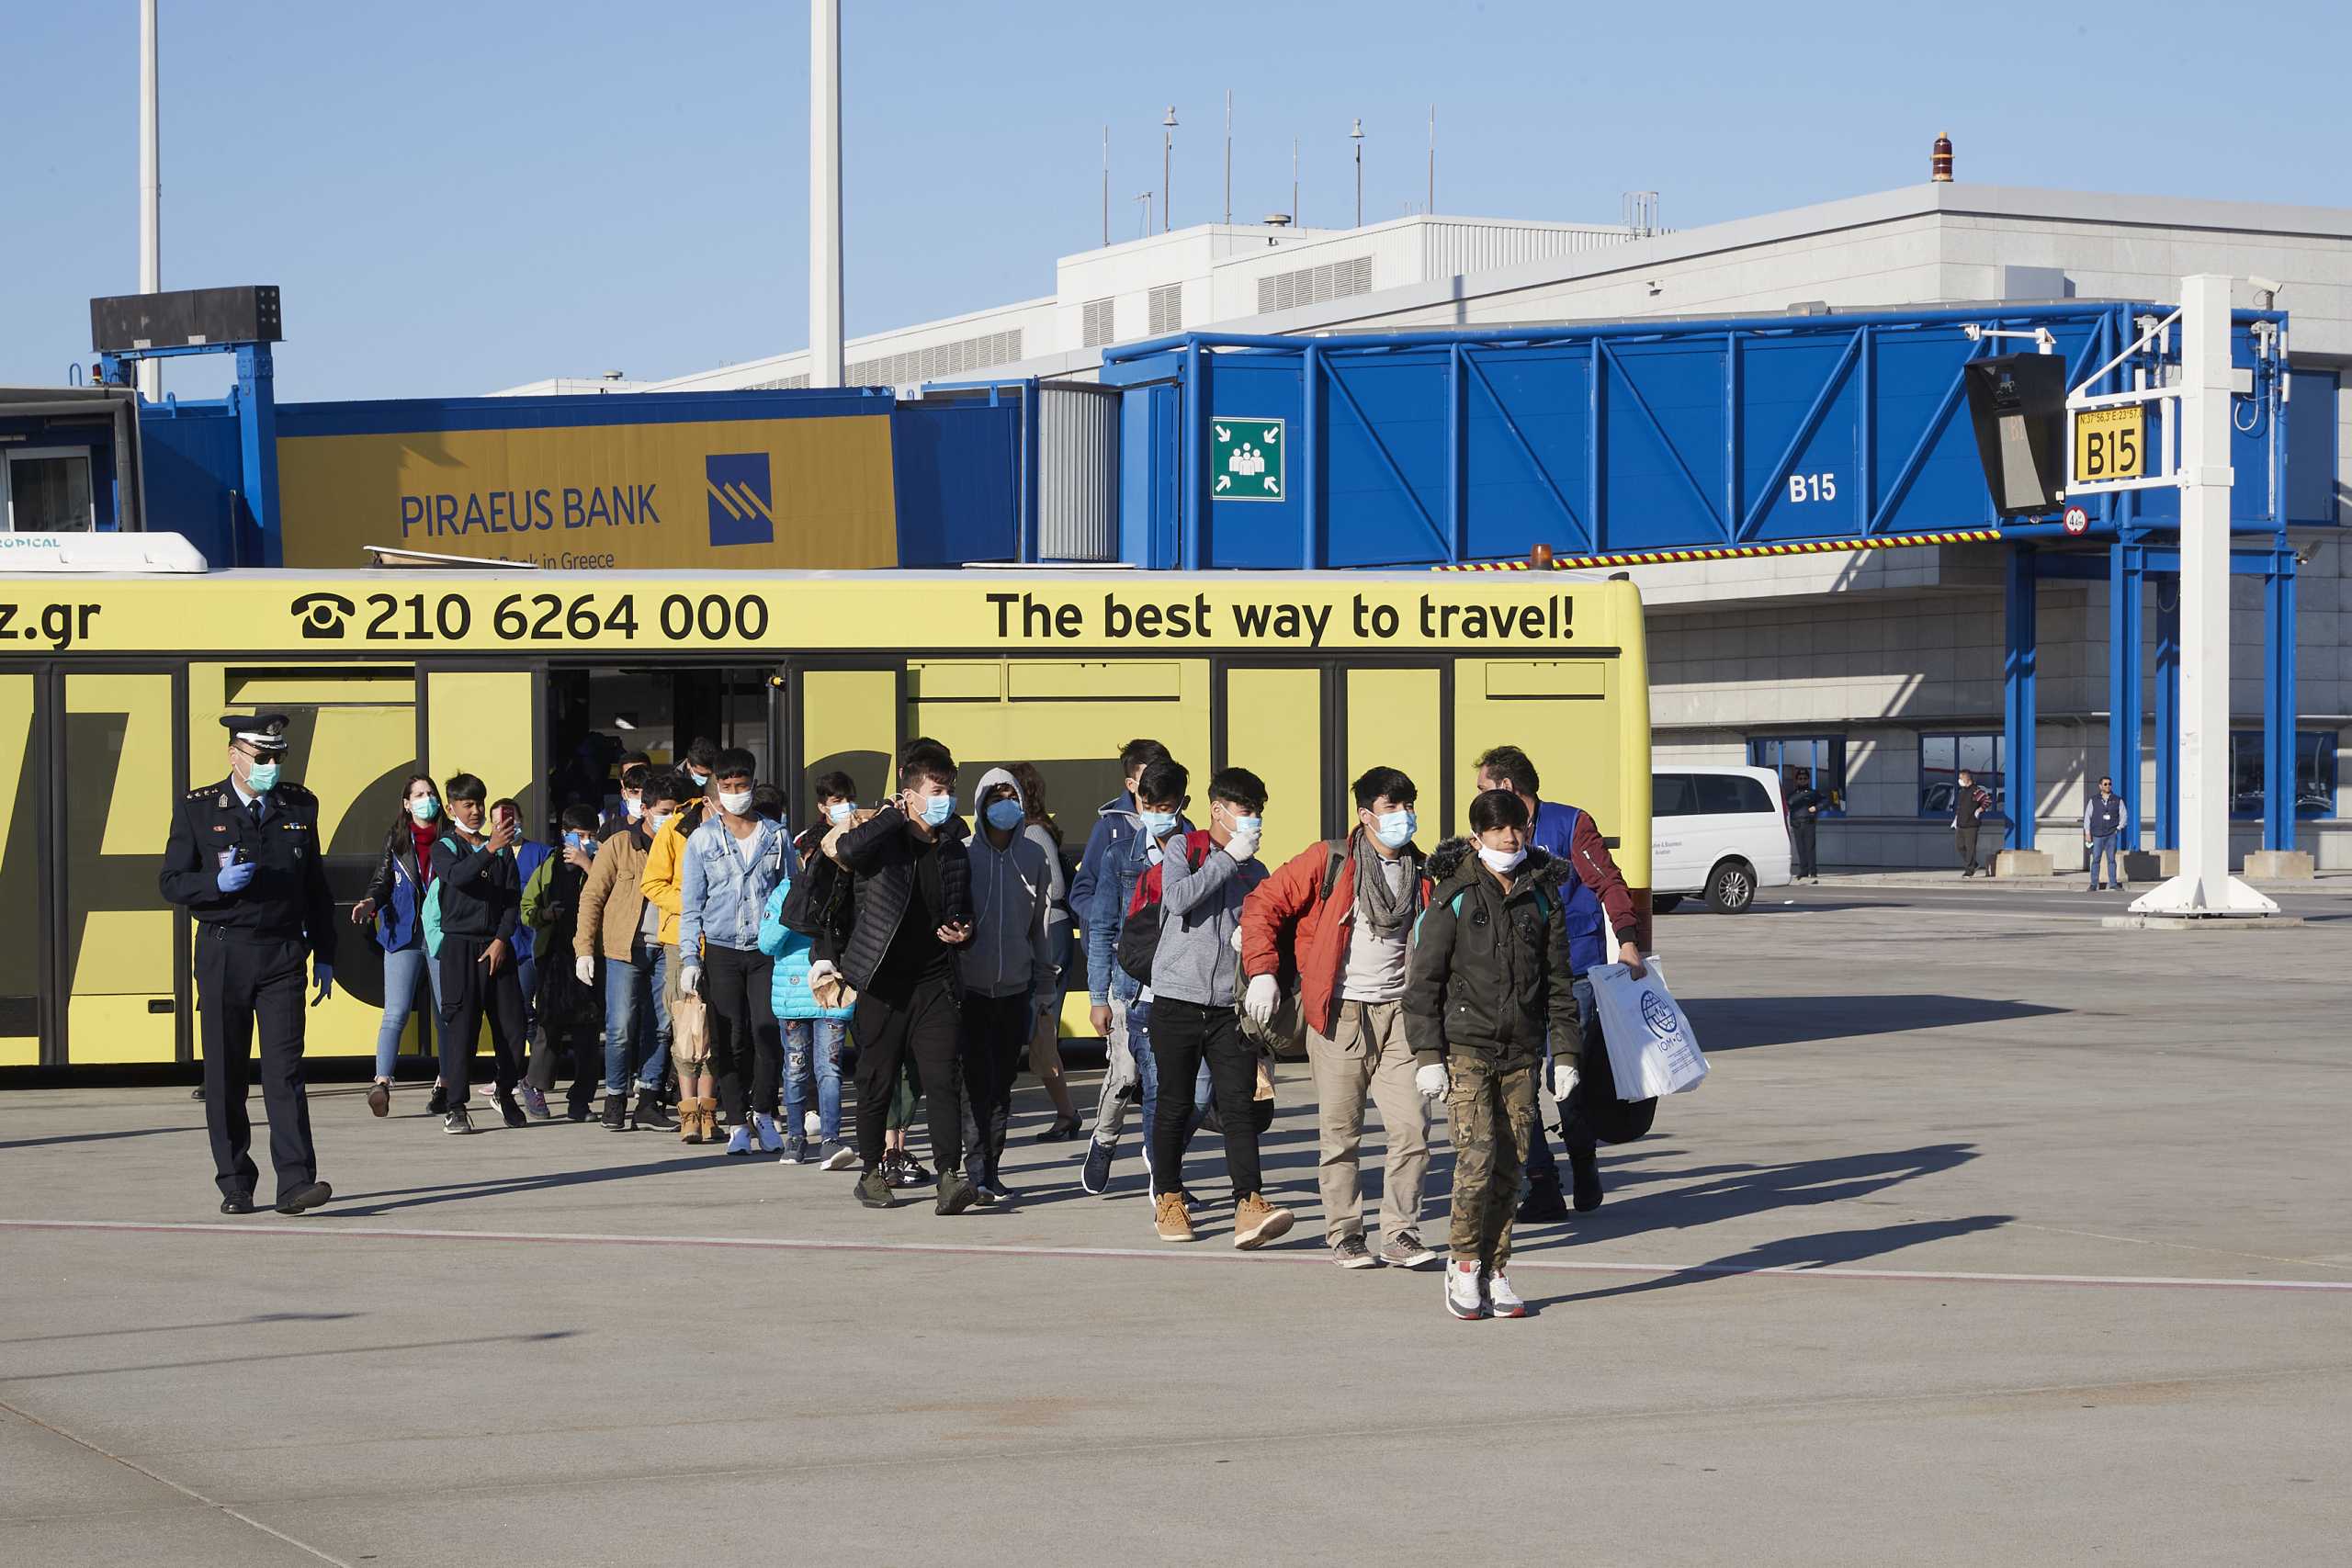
column 1368, row 1052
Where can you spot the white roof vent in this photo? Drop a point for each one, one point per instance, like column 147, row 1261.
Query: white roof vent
column 99, row 552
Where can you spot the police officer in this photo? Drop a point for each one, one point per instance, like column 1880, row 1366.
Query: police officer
column 244, row 860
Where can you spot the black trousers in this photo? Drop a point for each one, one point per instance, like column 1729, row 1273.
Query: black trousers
column 995, row 1039
column 1576, row 1128
column 553, row 1043
column 924, row 1029
column 471, row 993
column 1182, row 1033
column 746, row 1043
column 1802, row 830
column 239, row 983
column 1965, row 840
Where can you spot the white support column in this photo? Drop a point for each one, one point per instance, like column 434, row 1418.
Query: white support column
column 151, row 187
column 2204, row 886
column 825, row 369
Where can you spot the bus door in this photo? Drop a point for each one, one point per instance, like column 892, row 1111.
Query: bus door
column 353, row 740
column 1400, row 716
column 1280, row 721
column 22, row 812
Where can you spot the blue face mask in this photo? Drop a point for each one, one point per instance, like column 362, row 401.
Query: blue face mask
column 937, row 810
column 702, row 780
column 263, row 779
column 424, row 811
column 841, row 811
column 1159, row 824
column 1004, row 816
column 1394, row 828
column 1249, row 824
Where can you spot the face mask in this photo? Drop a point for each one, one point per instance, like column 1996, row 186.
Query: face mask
column 1248, row 826
column 1394, row 829
column 841, row 811
column 658, row 822
column 1499, row 860
column 263, row 779
column 937, row 810
column 634, row 806
column 702, row 780
column 1159, row 824
column 425, row 809
column 1004, row 816
column 735, row 802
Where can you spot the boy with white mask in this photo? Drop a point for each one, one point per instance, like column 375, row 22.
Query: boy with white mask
column 729, row 866
column 1008, row 962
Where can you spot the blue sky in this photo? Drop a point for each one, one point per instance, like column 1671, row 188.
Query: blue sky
column 456, row 197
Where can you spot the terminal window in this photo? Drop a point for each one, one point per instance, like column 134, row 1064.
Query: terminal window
column 1818, row 760
column 2314, row 773
column 1940, row 759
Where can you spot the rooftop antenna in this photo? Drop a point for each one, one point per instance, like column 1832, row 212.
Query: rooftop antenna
column 1167, row 146
column 1106, row 185
column 1357, row 134
column 1145, row 198
column 1433, row 207
column 1229, row 157
column 1296, row 215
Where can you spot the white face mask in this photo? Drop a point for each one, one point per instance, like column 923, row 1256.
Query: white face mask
column 1502, row 860
column 735, row 802
column 658, row 821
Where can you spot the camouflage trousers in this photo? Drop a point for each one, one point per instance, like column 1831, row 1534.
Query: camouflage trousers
column 1491, row 1115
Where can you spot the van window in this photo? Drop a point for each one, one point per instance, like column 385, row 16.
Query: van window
column 1731, row 795
column 1671, row 795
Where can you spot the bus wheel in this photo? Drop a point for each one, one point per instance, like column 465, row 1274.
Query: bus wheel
column 1732, row 889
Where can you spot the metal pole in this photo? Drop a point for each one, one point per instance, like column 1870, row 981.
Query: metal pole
column 1229, row 157
column 151, row 188
column 1106, row 185
column 1296, row 217
column 825, row 369
column 1167, row 191
column 1432, row 206
column 2204, row 886
column 1359, row 178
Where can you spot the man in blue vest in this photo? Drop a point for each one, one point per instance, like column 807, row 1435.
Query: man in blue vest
column 1598, row 908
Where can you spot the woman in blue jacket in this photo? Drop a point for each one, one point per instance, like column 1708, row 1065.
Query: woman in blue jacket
column 812, row 1041
column 395, row 903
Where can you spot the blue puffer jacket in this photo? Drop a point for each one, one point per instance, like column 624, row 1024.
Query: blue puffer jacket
column 789, row 994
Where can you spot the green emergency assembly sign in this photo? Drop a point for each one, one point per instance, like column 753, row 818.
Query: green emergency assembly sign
column 1246, row 459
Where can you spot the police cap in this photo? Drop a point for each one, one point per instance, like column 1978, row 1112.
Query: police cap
column 262, row 732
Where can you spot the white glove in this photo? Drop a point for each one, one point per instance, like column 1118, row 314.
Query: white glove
column 1242, row 846
column 586, row 969
column 1432, row 1081
column 1563, row 1078
column 1236, row 939
column 690, row 980
column 822, row 967
column 1258, row 1001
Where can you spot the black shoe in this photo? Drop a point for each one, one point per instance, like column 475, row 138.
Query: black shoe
column 955, row 1192
column 379, row 1097
column 648, row 1114
column 309, row 1195
column 511, row 1110
column 900, row 1169
column 237, row 1204
column 576, row 1109
column 994, row 1186
column 615, row 1113
column 456, row 1119
column 1584, row 1172
column 439, row 1104
column 874, row 1189
column 1096, row 1175
column 1542, row 1205
column 1060, row 1132
column 197, row 1093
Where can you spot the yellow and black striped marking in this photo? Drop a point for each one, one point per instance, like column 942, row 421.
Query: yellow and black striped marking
column 1734, row 552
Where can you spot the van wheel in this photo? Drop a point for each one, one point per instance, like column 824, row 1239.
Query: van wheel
column 1732, row 889
column 1665, row 903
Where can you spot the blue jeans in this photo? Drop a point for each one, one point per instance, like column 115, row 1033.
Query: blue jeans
column 2103, row 847
column 1580, row 1139
column 632, row 995
column 813, row 1054
column 1148, row 1076
column 401, row 971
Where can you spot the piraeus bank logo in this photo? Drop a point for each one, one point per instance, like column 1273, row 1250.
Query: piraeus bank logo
column 742, row 500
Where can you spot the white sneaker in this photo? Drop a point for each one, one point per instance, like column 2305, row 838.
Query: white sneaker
column 1462, row 1297
column 738, row 1142
column 842, row 1158
column 810, row 1124
column 764, row 1127
column 1505, row 1300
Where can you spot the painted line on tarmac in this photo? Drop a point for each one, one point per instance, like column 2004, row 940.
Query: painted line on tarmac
column 324, row 1232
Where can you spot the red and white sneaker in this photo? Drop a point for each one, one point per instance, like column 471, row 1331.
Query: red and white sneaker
column 1463, row 1298
column 1502, row 1298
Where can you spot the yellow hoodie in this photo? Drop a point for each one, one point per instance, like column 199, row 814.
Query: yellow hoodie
column 662, row 881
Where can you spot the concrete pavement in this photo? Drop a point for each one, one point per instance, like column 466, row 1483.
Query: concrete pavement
column 1993, row 1233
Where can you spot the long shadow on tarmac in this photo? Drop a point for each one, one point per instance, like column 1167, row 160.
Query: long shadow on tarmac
column 1822, row 1250
column 1734, row 1023
column 366, row 1204
column 95, row 1137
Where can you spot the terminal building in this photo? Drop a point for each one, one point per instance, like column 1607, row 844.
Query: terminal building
column 1880, row 672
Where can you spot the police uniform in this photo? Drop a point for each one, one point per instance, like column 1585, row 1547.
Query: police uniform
column 250, row 947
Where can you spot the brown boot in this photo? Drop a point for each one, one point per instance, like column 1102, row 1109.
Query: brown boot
column 689, row 1120
column 1256, row 1222
column 1169, row 1216
column 710, row 1119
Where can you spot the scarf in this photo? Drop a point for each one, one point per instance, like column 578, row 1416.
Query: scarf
column 1382, row 911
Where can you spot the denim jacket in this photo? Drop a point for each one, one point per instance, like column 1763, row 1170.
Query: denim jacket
column 1114, row 888
column 719, row 901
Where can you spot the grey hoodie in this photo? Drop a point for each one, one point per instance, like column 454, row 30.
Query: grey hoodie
column 1012, row 902
column 1200, row 915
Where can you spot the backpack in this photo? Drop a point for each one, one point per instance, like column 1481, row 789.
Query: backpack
column 1139, row 938
column 815, row 896
column 1285, row 1033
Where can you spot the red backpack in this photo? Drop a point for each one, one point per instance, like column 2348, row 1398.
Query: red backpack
column 1139, row 937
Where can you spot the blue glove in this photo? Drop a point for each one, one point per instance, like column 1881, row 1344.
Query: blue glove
column 235, row 876
column 322, row 976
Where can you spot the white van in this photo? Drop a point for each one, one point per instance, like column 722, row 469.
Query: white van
column 1717, row 832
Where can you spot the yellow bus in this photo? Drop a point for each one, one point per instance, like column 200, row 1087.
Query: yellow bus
column 111, row 686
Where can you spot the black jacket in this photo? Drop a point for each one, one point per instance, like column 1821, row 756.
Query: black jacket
column 287, row 898
column 481, row 894
column 1806, row 804
column 1488, row 973
column 399, row 851
column 881, row 854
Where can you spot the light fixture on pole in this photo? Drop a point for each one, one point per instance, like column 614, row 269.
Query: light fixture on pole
column 1167, row 146
column 1357, row 136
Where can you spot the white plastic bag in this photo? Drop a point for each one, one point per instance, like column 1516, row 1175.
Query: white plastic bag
column 1651, row 1049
